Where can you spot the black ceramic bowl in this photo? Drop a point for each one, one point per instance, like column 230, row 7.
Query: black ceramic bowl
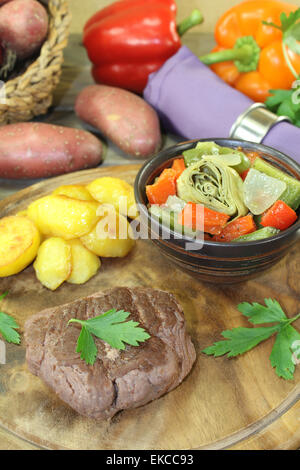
column 215, row 261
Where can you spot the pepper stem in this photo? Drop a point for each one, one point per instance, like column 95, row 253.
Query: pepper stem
column 194, row 19
column 245, row 55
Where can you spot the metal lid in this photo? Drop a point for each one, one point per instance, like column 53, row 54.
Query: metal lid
column 254, row 124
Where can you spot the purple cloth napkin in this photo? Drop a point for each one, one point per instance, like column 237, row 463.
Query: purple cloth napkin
column 193, row 102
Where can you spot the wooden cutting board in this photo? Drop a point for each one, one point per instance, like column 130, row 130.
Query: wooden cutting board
column 235, row 403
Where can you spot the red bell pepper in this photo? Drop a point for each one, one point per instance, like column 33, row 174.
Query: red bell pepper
column 199, row 217
column 178, row 166
column 252, row 157
column 165, row 186
column 237, row 228
column 244, row 174
column 129, row 39
column 280, row 216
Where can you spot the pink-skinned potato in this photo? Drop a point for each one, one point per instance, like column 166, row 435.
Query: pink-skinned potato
column 39, row 150
column 23, row 26
column 121, row 116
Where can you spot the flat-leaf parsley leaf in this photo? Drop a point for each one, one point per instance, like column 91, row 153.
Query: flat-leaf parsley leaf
column 112, row 328
column 239, row 340
column 8, row 326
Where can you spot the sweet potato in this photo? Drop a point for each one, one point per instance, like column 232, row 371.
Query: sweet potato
column 23, row 27
column 19, row 243
column 121, row 116
column 38, row 150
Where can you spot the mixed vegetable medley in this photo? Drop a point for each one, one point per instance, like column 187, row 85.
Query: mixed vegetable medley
column 229, row 194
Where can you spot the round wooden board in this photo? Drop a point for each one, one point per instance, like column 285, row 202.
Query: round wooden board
column 235, row 403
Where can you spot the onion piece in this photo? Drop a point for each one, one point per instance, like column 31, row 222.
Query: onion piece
column 261, row 191
column 175, row 204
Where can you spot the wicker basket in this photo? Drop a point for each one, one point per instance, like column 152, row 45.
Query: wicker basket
column 31, row 94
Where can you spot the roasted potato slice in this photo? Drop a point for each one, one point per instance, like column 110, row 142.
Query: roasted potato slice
column 85, row 264
column 53, row 264
column 19, row 243
column 22, row 213
column 114, row 191
column 111, row 237
column 61, row 216
column 75, row 191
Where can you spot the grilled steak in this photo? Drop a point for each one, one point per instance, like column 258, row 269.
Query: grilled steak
column 119, row 379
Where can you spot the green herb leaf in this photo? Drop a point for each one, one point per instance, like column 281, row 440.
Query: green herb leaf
column 111, row 328
column 281, row 103
column 239, row 340
column 86, row 346
column 3, row 295
column 288, row 22
column 292, row 40
column 290, row 29
column 8, row 326
column 258, row 313
column 281, row 356
column 278, row 97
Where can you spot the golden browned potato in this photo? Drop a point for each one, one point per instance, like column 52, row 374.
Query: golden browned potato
column 19, row 243
column 53, row 264
column 116, row 192
column 61, row 216
column 75, row 191
column 22, row 213
column 111, row 237
column 85, row 264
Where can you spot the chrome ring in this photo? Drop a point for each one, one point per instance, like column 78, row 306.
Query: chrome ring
column 254, row 124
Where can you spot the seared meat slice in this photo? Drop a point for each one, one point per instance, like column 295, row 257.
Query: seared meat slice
column 119, row 379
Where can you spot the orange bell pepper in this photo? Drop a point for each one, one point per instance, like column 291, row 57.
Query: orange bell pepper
column 250, row 55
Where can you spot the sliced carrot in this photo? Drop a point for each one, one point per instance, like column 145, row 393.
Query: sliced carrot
column 178, row 166
column 236, row 228
column 165, row 186
column 280, row 216
column 198, row 217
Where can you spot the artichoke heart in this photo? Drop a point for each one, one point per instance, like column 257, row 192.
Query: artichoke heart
column 213, row 183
